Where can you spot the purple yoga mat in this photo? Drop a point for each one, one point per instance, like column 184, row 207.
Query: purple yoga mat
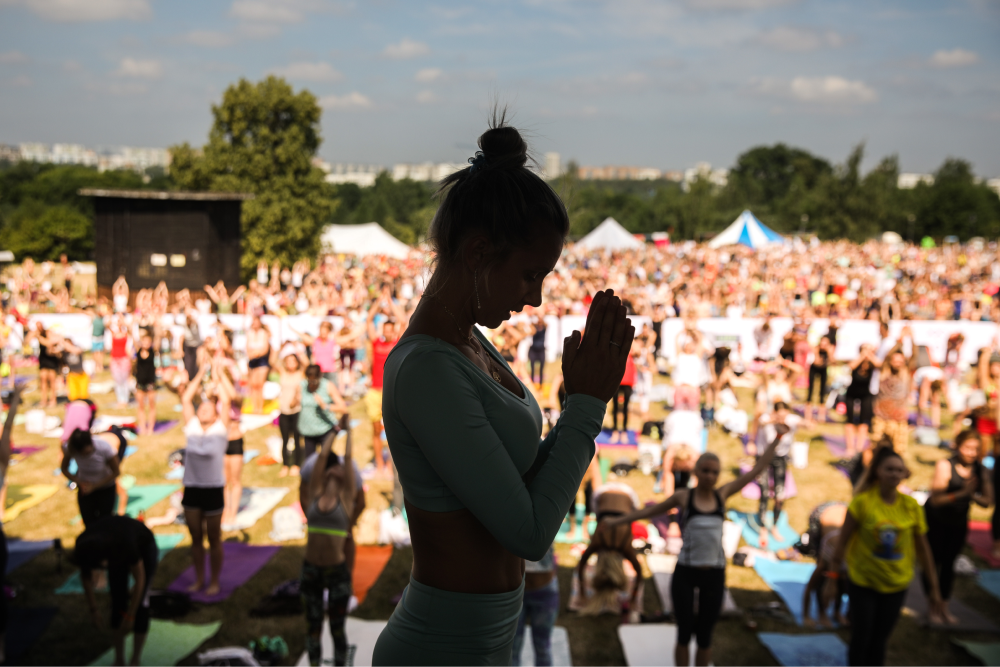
column 836, row 445
column 240, row 562
column 26, row 450
column 164, row 426
column 604, row 438
column 752, row 492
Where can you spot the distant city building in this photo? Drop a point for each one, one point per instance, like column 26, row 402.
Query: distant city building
column 910, row 181
column 994, row 185
column 425, row 171
column 703, row 170
column 674, row 175
column 362, row 175
column 553, row 166
column 124, row 157
column 618, row 173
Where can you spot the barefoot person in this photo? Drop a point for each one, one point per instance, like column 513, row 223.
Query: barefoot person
column 329, row 508
column 144, row 369
column 128, row 549
column 701, row 563
column 482, row 491
column 958, row 482
column 825, row 523
column 207, row 432
column 884, row 533
column 259, row 352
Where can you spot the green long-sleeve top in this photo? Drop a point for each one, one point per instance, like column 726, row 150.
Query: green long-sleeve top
column 461, row 440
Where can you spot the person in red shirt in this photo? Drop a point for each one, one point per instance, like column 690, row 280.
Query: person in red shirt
column 624, row 395
column 381, row 347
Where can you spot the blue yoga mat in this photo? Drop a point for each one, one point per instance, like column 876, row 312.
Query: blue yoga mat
column 751, row 528
column 989, row 580
column 164, row 543
column 26, row 625
column 788, row 579
column 824, row 649
column 20, row 552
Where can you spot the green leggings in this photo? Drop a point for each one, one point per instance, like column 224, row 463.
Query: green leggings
column 435, row 627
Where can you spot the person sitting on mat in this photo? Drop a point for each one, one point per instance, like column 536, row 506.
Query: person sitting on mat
column 702, row 561
column 125, row 547
column 611, row 546
column 329, row 508
column 825, row 523
column 777, row 471
column 206, row 429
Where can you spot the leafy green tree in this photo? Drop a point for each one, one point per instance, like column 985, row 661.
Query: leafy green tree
column 263, row 139
column 45, row 232
column 404, row 208
column 955, row 204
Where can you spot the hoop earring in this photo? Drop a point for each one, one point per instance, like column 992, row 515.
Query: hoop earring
column 475, row 285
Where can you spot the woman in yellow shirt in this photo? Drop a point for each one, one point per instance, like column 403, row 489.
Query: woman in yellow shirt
column 883, row 533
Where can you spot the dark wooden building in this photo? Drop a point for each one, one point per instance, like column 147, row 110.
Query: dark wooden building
column 188, row 239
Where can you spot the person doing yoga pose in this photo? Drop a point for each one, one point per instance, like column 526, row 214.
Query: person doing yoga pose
column 701, row 563
column 612, row 545
column 464, row 432
column 325, row 569
column 5, row 450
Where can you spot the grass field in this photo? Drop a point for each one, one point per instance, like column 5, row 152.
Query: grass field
column 71, row 639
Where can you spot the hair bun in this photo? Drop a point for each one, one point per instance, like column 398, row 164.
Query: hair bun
column 504, row 146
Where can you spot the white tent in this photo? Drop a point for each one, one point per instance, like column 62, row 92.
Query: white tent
column 365, row 239
column 609, row 235
column 746, row 230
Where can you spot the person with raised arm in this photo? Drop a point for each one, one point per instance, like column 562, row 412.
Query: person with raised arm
column 701, row 563
column 483, row 492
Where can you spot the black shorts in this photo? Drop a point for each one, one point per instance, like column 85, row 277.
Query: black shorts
column 260, row 362
column 143, row 386
column 235, row 447
column 860, row 410
column 209, row 500
column 346, row 358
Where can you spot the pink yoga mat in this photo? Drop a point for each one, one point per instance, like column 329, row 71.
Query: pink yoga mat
column 981, row 541
column 240, row 562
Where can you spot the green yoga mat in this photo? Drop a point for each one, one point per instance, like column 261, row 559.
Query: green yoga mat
column 168, row 643
column 987, row 652
column 165, row 543
column 141, row 498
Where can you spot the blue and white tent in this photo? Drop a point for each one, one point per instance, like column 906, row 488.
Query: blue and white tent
column 746, row 230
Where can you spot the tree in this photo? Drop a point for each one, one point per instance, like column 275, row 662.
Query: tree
column 45, row 232
column 956, row 204
column 404, row 208
column 263, row 139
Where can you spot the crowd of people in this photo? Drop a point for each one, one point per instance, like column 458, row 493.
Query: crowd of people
column 152, row 339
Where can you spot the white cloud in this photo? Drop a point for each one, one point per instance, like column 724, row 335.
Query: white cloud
column 790, row 38
column 426, row 97
column 318, row 71
column 73, row 11
column 817, row 90
column 13, row 58
column 266, row 11
column 20, row 81
column 737, row 4
column 353, row 100
column 208, row 38
column 406, row 48
column 953, row 58
column 139, row 69
column 428, row 75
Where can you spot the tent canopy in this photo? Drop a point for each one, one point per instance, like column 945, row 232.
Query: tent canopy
column 746, row 230
column 609, row 235
column 365, row 239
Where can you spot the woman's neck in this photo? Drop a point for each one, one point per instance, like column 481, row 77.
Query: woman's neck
column 888, row 494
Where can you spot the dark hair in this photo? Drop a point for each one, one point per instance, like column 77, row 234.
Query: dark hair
column 92, row 549
column 79, row 440
column 314, row 371
column 332, row 460
column 780, row 405
column 870, row 476
column 967, row 434
column 497, row 195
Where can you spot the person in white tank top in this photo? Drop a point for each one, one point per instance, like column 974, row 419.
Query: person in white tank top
column 206, row 430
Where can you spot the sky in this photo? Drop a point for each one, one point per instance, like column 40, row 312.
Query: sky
column 662, row 84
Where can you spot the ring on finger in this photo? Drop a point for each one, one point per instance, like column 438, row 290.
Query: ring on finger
column 614, row 343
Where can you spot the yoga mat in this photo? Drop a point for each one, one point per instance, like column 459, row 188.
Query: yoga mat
column 825, row 649
column 164, row 544
column 249, row 455
column 559, row 648
column 240, row 562
column 836, row 444
column 751, row 527
column 24, row 497
column 24, row 627
column 562, row 536
column 788, row 579
column 987, row 652
column 982, row 542
column 604, row 438
column 662, row 581
column 752, row 491
column 989, row 580
column 164, row 426
column 167, row 643
column 142, row 498
column 20, row 552
column 255, row 503
column 361, row 638
column 969, row 620
column 21, row 453
column 369, row 562
column 651, row 643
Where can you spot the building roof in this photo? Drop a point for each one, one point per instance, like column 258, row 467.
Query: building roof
column 167, row 194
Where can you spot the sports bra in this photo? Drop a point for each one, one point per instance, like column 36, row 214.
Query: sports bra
column 702, row 532
column 460, row 440
column 334, row 522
